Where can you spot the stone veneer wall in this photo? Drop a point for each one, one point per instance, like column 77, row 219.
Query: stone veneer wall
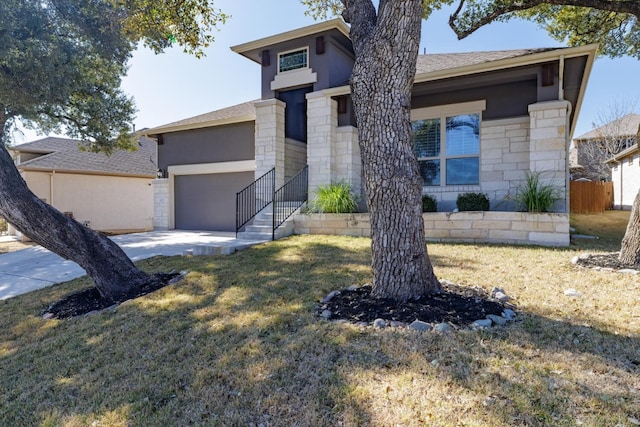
column 161, row 204
column 295, row 157
column 475, row 227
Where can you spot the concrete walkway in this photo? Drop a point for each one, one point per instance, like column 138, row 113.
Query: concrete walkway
column 29, row 269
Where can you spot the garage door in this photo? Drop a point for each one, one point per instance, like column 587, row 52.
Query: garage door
column 208, row 201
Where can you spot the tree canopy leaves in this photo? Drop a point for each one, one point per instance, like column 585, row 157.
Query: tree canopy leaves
column 611, row 23
column 61, row 61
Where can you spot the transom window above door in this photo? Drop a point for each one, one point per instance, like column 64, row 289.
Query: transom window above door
column 293, row 60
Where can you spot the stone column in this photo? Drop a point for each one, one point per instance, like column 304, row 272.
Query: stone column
column 322, row 121
column 161, row 204
column 269, row 138
column 549, row 144
column 347, row 159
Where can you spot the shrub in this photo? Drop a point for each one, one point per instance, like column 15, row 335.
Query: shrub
column 429, row 203
column 334, row 198
column 473, row 202
column 3, row 225
column 532, row 196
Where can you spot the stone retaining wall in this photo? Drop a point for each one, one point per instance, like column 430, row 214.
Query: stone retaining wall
column 474, row 227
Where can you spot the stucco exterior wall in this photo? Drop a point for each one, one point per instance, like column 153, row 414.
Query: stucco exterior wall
column 474, row 227
column 109, row 203
column 626, row 181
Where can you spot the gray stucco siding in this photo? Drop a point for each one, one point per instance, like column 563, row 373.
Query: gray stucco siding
column 227, row 143
column 334, row 65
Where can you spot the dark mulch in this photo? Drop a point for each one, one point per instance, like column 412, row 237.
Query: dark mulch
column 90, row 300
column 609, row 260
column 457, row 305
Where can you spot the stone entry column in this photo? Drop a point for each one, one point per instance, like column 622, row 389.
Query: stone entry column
column 269, row 138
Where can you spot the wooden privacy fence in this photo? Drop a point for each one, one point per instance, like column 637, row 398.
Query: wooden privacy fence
column 591, row 197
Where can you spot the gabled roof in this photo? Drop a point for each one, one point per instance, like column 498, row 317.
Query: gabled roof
column 64, row 155
column 627, row 126
column 235, row 114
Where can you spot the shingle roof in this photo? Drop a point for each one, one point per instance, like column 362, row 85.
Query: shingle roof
column 62, row 154
column 236, row 113
column 624, row 126
column 446, row 61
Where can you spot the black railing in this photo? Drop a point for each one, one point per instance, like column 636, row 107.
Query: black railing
column 288, row 198
column 254, row 198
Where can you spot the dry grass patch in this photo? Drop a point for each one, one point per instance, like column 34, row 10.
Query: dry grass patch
column 236, row 343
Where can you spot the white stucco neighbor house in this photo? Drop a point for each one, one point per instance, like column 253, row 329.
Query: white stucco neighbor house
column 481, row 121
column 625, row 174
column 109, row 193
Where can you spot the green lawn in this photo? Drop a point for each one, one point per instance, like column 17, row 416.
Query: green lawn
column 236, row 343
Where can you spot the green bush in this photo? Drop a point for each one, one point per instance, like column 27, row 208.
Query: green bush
column 532, row 196
column 429, row 203
column 334, row 198
column 3, row 225
column 473, row 202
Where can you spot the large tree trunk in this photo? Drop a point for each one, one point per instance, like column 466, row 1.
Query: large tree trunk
column 630, row 251
column 386, row 47
column 111, row 270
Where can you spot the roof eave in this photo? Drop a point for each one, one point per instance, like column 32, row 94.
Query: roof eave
column 624, row 154
column 337, row 24
column 85, row 172
column 528, row 59
column 149, row 133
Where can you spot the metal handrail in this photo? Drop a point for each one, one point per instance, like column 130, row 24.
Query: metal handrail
column 288, row 198
column 254, row 198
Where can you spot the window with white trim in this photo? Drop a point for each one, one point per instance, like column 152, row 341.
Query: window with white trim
column 448, row 146
column 293, row 60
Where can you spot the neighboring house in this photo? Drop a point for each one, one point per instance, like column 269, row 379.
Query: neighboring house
column 109, row 193
column 592, row 150
column 481, row 120
column 625, row 174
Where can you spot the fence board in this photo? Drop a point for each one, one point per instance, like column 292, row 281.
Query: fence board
column 591, row 197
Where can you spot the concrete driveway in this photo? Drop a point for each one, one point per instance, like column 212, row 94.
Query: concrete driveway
column 29, row 269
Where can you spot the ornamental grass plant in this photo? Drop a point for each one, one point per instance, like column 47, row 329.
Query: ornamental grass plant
column 334, row 198
column 534, row 196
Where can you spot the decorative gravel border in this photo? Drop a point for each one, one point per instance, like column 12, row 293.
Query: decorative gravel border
column 585, row 261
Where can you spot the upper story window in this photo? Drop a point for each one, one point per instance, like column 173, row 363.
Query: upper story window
column 448, row 146
column 293, row 60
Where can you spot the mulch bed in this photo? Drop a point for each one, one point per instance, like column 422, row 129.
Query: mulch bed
column 609, row 260
column 89, row 300
column 456, row 305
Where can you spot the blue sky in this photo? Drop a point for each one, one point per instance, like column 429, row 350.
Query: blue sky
column 174, row 85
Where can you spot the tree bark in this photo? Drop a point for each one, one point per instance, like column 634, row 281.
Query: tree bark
column 630, row 251
column 386, row 46
column 113, row 273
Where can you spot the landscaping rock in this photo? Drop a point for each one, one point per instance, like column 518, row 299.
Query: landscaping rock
column 575, row 260
column 498, row 320
column 442, row 328
column 509, row 314
column 481, row 324
column 353, row 287
column 396, row 324
column 572, row 293
column 380, row 323
column 326, row 314
column 628, row 271
column 330, row 296
column 502, row 297
column 421, row 326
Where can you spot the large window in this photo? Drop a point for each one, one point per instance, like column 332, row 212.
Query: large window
column 448, row 149
column 293, row 60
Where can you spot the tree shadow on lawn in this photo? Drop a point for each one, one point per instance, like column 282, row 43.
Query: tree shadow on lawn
column 237, row 343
